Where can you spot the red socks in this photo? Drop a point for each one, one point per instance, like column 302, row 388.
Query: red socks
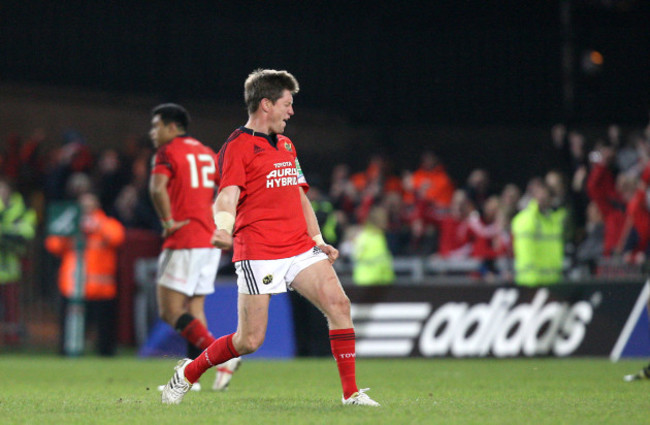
column 221, row 350
column 342, row 342
column 197, row 334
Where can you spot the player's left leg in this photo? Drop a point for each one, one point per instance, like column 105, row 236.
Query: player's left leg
column 320, row 285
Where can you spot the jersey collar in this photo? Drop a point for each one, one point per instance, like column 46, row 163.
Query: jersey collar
column 272, row 139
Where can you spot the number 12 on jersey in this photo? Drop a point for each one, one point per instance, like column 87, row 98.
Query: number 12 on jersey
column 205, row 163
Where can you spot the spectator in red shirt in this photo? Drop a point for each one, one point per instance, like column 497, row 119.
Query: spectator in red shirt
column 486, row 231
column 454, row 227
column 635, row 235
column 601, row 188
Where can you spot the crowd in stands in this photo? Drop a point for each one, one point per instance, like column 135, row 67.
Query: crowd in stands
column 46, row 170
column 602, row 186
column 601, row 183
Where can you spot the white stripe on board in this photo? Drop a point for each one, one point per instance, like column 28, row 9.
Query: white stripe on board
column 641, row 303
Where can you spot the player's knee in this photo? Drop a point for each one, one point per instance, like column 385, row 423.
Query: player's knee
column 340, row 305
column 249, row 343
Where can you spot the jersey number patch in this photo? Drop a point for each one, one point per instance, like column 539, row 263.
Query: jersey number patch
column 205, row 163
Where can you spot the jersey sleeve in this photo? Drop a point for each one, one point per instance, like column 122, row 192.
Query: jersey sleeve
column 232, row 169
column 163, row 162
column 302, row 181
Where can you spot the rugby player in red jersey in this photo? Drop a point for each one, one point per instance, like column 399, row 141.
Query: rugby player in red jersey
column 262, row 212
column 182, row 188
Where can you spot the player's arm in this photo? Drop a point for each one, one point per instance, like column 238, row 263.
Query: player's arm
column 162, row 205
column 225, row 210
column 314, row 229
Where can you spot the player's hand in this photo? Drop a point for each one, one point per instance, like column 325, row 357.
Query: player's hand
column 221, row 239
column 175, row 225
column 332, row 253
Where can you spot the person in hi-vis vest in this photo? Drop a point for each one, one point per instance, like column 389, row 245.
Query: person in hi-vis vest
column 103, row 235
column 17, row 227
column 373, row 262
column 538, row 243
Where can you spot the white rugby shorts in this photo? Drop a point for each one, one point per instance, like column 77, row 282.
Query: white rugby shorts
column 274, row 276
column 189, row 271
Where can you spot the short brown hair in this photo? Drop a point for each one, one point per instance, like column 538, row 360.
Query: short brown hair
column 267, row 84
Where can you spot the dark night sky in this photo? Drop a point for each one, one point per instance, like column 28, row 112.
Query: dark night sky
column 452, row 62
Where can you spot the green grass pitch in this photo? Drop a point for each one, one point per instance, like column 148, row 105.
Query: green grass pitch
column 41, row 389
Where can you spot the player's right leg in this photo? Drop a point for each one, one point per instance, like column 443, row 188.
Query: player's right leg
column 172, row 308
column 225, row 371
column 178, row 386
column 251, row 329
column 252, row 320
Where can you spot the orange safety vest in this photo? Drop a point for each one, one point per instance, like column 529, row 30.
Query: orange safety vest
column 100, row 257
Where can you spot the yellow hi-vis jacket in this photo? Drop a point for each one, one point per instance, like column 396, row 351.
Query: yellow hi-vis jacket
column 373, row 262
column 17, row 225
column 538, row 245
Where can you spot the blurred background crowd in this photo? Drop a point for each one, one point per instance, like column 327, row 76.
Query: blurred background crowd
column 422, row 211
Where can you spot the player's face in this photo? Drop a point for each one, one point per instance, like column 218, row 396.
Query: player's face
column 280, row 113
column 160, row 133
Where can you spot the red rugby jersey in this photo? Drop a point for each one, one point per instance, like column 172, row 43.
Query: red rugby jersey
column 270, row 223
column 191, row 168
